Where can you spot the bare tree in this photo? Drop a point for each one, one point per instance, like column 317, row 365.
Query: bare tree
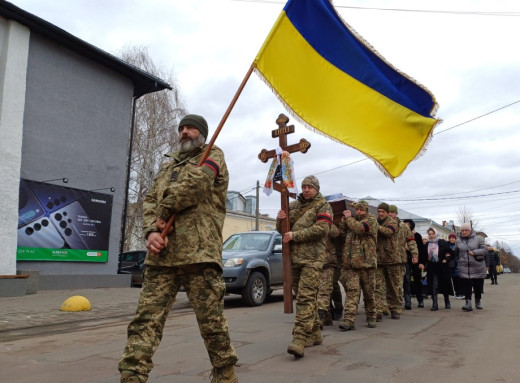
column 155, row 133
column 465, row 214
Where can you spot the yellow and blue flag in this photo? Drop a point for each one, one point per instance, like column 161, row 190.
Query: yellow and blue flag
column 334, row 82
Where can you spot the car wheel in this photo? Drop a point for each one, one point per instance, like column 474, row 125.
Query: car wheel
column 255, row 291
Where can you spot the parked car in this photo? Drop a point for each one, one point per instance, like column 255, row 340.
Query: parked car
column 253, row 265
column 132, row 262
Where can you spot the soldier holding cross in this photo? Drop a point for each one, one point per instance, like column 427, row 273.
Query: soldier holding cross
column 310, row 219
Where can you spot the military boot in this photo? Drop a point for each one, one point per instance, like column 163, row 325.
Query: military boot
column 321, row 316
column 371, row 323
column 394, row 315
column 315, row 338
column 327, row 321
column 447, row 304
column 224, row 374
column 347, row 326
column 296, row 348
column 130, row 377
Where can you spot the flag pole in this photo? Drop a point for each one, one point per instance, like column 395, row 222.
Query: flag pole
column 214, row 137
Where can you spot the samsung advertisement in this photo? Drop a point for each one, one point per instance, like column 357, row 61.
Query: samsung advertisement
column 57, row 223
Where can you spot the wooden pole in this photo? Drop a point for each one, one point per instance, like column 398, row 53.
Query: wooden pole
column 214, row 137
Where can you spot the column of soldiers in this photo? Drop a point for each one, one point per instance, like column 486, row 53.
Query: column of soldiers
column 374, row 254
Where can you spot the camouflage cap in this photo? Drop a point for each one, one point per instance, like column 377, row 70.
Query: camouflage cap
column 392, row 209
column 362, row 205
column 311, row 181
column 384, row 206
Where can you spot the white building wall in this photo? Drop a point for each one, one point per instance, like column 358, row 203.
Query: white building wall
column 14, row 48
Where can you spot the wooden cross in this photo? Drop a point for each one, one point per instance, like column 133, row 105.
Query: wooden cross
column 304, row 145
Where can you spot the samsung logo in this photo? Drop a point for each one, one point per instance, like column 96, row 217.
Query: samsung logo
column 98, row 200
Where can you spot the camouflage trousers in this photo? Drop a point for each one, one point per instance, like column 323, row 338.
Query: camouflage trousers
column 401, row 287
column 205, row 290
column 305, row 283
column 354, row 281
column 325, row 289
column 389, row 279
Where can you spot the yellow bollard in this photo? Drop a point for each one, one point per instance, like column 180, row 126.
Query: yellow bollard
column 76, row 303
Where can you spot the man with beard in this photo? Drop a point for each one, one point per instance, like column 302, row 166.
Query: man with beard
column 359, row 264
column 388, row 275
column 190, row 255
column 310, row 218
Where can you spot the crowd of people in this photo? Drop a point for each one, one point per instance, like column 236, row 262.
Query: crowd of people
column 383, row 257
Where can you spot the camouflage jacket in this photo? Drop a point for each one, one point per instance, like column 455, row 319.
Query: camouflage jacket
column 360, row 244
column 197, row 195
column 330, row 249
column 387, row 247
column 406, row 241
column 310, row 221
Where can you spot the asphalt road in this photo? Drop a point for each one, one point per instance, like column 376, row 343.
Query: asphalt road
column 423, row 346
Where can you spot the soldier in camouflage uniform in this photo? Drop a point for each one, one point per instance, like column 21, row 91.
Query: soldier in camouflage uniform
column 190, row 255
column 310, row 218
column 359, row 264
column 327, row 278
column 389, row 262
column 405, row 241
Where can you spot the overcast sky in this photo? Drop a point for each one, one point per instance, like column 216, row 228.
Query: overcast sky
column 469, row 60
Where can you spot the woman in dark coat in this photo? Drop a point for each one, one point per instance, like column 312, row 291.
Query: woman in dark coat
column 437, row 269
column 471, row 250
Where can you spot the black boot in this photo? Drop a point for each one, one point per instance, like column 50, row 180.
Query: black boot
column 467, row 306
column 435, row 305
column 447, row 304
column 478, row 306
column 420, row 301
column 407, row 301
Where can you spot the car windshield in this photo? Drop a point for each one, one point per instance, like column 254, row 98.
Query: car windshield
column 248, row 241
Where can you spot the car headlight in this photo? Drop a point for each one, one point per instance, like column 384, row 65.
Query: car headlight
column 234, row 262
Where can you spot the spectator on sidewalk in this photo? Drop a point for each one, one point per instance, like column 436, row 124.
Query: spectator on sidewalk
column 472, row 252
column 439, row 277
column 492, row 261
column 454, row 268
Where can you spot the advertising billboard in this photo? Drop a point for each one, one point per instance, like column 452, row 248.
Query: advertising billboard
column 58, row 223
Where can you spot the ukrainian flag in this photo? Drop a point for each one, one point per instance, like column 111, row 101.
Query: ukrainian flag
column 334, row 82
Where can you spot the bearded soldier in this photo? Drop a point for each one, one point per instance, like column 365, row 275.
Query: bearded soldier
column 359, row 264
column 190, row 256
column 310, row 220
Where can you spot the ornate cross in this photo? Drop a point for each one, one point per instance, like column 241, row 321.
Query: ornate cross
column 304, row 145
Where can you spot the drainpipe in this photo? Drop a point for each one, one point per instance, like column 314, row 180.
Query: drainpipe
column 125, row 207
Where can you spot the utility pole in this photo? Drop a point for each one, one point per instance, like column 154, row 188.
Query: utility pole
column 257, row 212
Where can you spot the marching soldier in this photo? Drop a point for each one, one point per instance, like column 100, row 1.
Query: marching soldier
column 389, row 262
column 405, row 241
column 310, row 220
column 359, row 264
